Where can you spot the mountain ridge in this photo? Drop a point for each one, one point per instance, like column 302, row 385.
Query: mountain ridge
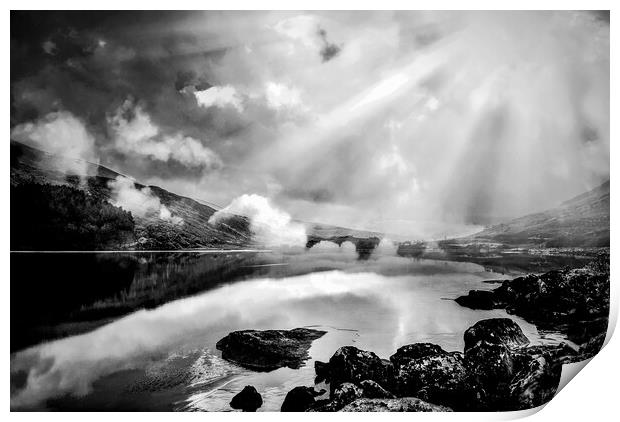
column 581, row 221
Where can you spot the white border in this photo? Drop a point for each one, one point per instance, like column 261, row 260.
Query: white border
column 591, row 396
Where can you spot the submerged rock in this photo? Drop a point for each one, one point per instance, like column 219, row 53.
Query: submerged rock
column 247, row 400
column 406, row 404
column 478, row 299
column 270, row 349
column 300, row 399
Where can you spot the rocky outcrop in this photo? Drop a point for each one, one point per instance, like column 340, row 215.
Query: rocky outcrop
column 502, row 331
column 438, row 378
column 270, row 349
column 372, row 390
column 300, row 399
column 508, row 374
column 322, row 371
column 498, row 370
column 247, row 400
column 572, row 301
column 350, row 364
column 406, row 404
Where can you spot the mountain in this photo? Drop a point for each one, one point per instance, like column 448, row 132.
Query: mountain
column 52, row 209
column 41, row 221
column 582, row 221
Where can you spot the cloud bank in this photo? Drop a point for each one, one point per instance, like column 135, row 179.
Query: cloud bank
column 270, row 225
column 140, row 202
column 62, row 134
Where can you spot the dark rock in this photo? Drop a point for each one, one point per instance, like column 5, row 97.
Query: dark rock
column 406, row 404
column 414, row 351
column 247, row 400
column 478, row 299
column 572, row 301
column 322, row 371
column 324, row 405
column 300, row 399
column 508, row 374
column 491, row 368
column 593, row 346
column 440, row 378
column 495, row 331
column 345, row 394
column 372, row 390
column 561, row 352
column 268, row 350
column 535, row 384
column 350, row 364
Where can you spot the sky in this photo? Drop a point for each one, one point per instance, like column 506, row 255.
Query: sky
column 420, row 123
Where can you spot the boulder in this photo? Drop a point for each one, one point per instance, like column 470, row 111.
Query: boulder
column 342, row 395
column 440, row 378
column 534, row 384
column 345, row 394
column 508, row 374
column 491, row 368
column 372, row 390
column 350, row 364
column 409, row 352
column 247, row 400
column 593, row 346
column 406, row 404
column 300, row 399
column 270, row 349
column 322, row 371
column 478, row 299
column 495, row 331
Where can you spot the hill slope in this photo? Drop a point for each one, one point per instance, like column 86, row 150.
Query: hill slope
column 32, row 166
column 582, row 221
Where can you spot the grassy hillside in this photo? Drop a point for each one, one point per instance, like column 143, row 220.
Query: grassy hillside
column 582, row 221
column 30, row 166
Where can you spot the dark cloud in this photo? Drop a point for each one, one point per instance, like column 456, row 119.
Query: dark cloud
column 329, row 50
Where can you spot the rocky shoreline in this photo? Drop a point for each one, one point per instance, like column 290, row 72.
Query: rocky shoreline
column 498, row 370
column 574, row 302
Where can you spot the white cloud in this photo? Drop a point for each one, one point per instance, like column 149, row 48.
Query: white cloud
column 281, row 96
column 60, row 133
column 220, row 96
column 270, row 225
column 136, row 133
column 141, row 202
column 301, row 28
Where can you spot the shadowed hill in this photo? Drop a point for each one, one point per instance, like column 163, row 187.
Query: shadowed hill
column 32, row 166
column 582, row 221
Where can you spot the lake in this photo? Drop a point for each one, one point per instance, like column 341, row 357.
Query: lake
column 137, row 331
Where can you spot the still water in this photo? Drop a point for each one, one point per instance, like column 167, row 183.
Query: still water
column 162, row 356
